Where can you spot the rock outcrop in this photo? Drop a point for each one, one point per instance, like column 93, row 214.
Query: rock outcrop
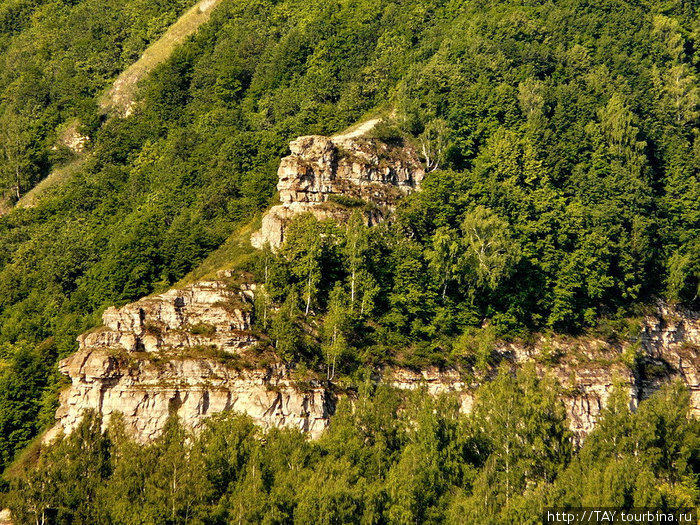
column 670, row 349
column 323, row 174
column 182, row 352
column 207, row 314
column 5, row 517
column 586, row 388
column 147, row 391
column 177, row 353
column 71, row 138
column 667, row 348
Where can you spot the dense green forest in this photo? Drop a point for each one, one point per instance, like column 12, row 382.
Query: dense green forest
column 57, row 58
column 565, row 134
column 428, row 465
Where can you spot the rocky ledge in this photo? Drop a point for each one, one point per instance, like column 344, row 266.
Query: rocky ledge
column 320, row 169
column 667, row 348
column 207, row 314
column 184, row 352
column 177, row 353
column 147, row 391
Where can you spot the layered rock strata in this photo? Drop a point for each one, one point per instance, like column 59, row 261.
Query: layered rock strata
column 667, row 348
column 146, row 392
column 586, row 389
column 206, row 314
column 323, row 174
column 176, row 353
column 172, row 353
column 670, row 349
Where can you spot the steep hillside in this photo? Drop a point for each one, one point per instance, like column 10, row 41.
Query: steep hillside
column 197, row 350
column 556, row 150
column 57, row 58
column 118, row 100
column 122, row 93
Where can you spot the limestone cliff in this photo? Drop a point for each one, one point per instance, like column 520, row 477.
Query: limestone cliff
column 320, row 169
column 187, row 351
column 146, row 391
column 586, row 388
column 184, row 352
column 175, row 353
column 667, row 348
column 204, row 314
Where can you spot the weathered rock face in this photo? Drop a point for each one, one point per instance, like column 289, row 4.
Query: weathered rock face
column 146, row 392
column 204, row 314
column 671, row 349
column 356, row 168
column 72, row 139
column 176, row 353
column 5, row 517
column 668, row 348
column 168, row 353
column 587, row 389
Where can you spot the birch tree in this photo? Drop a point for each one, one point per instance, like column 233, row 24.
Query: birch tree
column 490, row 253
column 303, row 247
column 355, row 248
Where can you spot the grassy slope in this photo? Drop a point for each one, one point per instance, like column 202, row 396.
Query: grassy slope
column 121, row 95
column 231, row 255
column 54, row 179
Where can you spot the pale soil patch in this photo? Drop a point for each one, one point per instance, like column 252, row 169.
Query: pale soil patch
column 120, row 97
column 358, row 130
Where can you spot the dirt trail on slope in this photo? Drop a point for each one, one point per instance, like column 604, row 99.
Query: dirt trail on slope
column 120, row 97
column 357, row 131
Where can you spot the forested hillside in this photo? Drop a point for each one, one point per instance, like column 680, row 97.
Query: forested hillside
column 563, row 190
column 390, row 460
column 56, row 58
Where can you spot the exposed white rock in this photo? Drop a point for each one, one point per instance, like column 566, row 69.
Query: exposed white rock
column 589, row 369
column 349, row 166
column 147, row 373
column 71, row 138
column 5, row 517
column 435, row 382
column 146, row 392
column 153, row 358
column 207, row 313
column 671, row 345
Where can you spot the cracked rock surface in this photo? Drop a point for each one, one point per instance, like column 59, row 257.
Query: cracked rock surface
column 319, row 168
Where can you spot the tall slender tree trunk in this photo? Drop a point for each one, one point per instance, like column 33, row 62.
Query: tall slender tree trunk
column 17, row 181
column 352, row 289
column 308, row 296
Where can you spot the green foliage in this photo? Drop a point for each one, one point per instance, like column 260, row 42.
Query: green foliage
column 57, row 57
column 205, row 329
column 388, row 458
column 648, row 458
column 285, row 330
column 21, row 384
column 559, row 139
column 66, row 484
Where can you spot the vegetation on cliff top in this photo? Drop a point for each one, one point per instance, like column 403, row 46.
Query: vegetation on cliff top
column 565, row 133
